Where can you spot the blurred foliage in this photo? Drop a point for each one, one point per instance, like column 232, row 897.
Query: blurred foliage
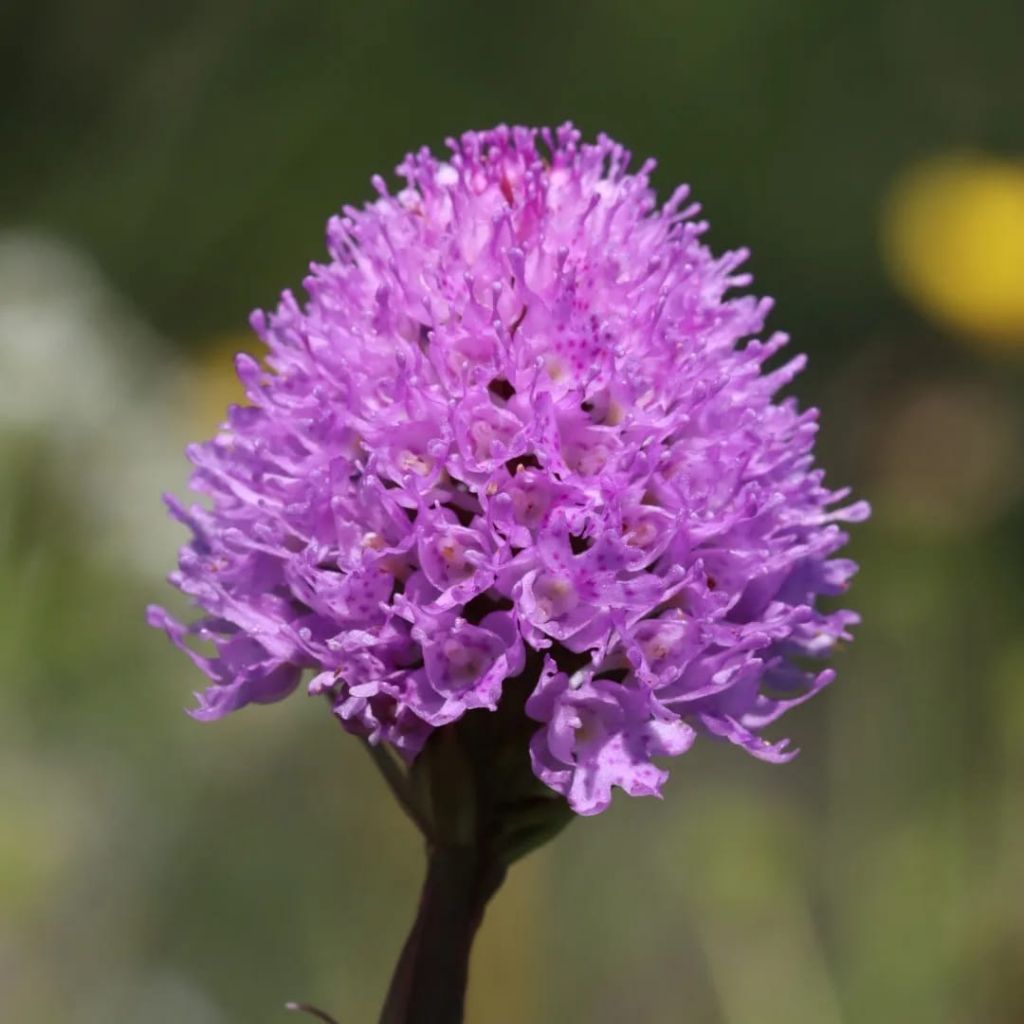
column 168, row 167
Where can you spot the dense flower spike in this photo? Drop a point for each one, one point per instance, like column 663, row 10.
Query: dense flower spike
column 519, row 409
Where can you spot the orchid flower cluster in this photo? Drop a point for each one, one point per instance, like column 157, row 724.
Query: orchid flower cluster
column 522, row 427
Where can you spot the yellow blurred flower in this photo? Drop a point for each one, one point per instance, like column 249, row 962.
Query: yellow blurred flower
column 212, row 383
column 953, row 239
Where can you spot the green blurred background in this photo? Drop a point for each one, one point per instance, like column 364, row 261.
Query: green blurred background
column 167, row 167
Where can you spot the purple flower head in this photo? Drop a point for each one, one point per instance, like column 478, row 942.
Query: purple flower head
column 520, row 424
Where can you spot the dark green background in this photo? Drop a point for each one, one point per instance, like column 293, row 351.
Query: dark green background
column 181, row 160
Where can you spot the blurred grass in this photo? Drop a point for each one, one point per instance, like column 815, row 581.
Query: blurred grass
column 168, row 168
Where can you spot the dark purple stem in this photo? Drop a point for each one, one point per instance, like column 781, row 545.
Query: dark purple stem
column 429, row 983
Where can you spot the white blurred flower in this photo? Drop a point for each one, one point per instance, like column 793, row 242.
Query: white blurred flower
column 81, row 373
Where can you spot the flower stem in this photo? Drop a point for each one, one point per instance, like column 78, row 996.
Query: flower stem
column 429, row 983
column 473, row 794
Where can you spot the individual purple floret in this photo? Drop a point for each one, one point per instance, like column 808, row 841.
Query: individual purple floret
column 519, row 424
